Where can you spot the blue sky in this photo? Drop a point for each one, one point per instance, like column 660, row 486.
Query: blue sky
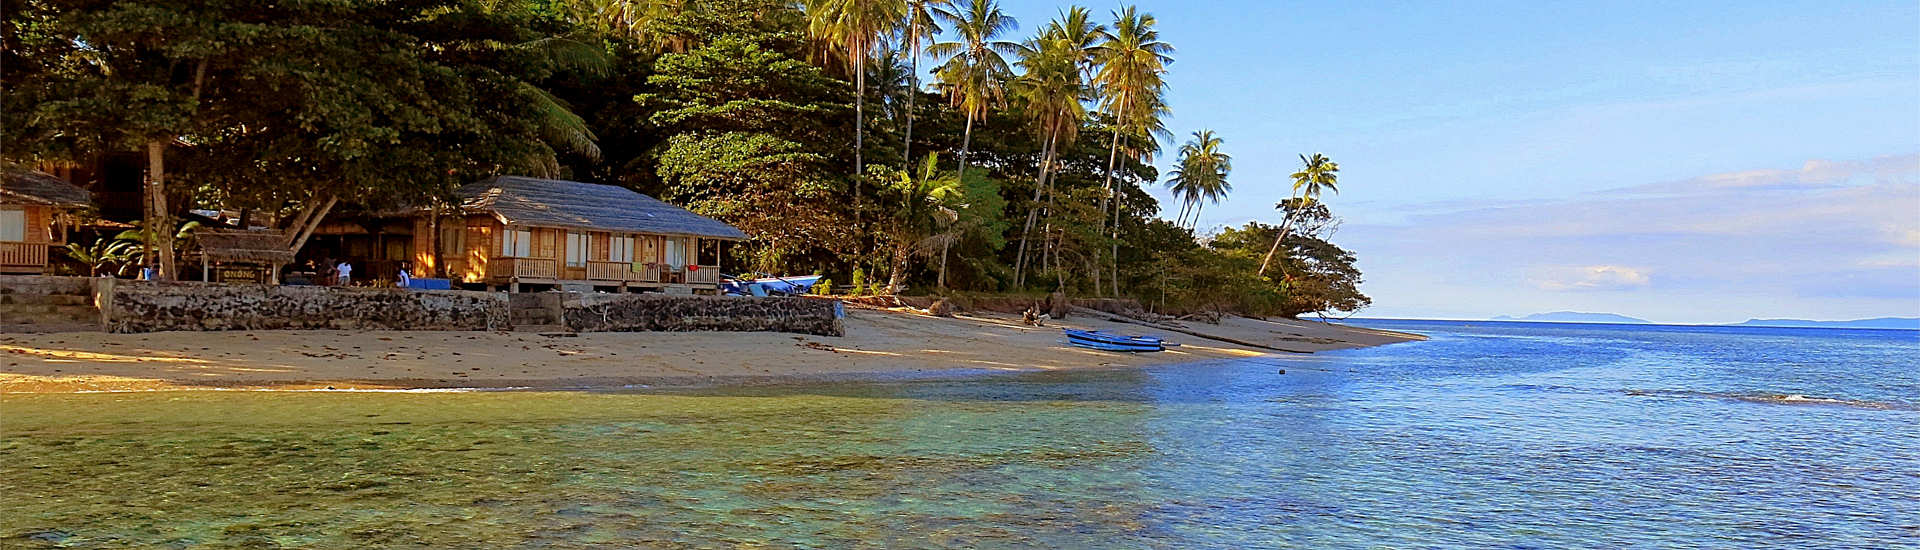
column 1681, row 162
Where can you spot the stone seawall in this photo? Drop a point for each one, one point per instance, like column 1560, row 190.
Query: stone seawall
column 33, row 303
column 645, row 312
column 140, row 306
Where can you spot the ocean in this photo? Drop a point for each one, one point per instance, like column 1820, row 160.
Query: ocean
column 1516, row 435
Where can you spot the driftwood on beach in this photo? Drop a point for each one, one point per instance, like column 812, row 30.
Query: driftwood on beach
column 1160, row 326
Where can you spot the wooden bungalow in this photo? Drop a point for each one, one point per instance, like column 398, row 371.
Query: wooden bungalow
column 32, row 207
column 514, row 232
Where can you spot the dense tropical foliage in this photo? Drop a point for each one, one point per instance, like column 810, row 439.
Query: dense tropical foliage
column 1021, row 165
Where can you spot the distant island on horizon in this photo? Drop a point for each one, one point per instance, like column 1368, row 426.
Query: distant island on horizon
column 1908, row 323
column 1575, row 317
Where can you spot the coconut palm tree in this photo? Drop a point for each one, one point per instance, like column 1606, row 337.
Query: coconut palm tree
column 1132, row 62
column 1202, row 176
column 644, row 20
column 1051, row 88
column 923, row 23
column 976, row 69
column 890, row 76
column 1083, row 37
column 1185, row 189
column 856, row 27
column 1317, row 174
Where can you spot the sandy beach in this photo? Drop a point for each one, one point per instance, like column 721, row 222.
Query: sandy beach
column 879, row 342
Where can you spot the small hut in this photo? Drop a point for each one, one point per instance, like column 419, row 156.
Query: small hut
column 241, row 256
column 31, row 208
column 518, row 231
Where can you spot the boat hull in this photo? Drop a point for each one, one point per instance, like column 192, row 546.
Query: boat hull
column 1110, row 342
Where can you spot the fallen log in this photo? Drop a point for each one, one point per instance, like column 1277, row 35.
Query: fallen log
column 1124, row 319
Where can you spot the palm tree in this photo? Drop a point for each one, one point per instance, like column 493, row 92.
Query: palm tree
column 1186, row 189
column 1202, row 176
column 1052, row 89
column 890, row 77
column 923, row 23
column 644, row 20
column 1083, row 38
column 1318, row 174
column 856, row 27
column 1132, row 61
column 975, row 70
column 921, row 209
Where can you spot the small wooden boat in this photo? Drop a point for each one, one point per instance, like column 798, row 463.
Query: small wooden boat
column 1093, row 339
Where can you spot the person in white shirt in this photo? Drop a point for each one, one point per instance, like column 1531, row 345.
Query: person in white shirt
column 345, row 271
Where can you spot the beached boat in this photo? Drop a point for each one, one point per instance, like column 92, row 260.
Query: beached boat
column 768, row 286
column 1094, row 339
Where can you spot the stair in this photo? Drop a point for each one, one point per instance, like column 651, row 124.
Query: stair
column 47, row 304
column 540, row 312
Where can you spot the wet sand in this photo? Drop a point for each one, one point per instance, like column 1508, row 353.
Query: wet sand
column 879, row 343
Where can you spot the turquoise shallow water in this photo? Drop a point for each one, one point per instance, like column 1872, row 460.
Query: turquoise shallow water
column 1490, row 434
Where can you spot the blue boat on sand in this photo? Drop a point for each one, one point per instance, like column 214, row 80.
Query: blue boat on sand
column 1094, row 339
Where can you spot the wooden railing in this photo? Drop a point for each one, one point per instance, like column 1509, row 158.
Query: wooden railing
column 524, row 268
column 606, row 271
column 19, row 254
column 705, row 275
column 622, row 271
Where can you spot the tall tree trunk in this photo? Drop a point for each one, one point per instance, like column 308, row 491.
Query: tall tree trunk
column 1113, row 155
column 1194, row 224
column 1286, row 225
column 966, row 140
column 1059, row 264
column 159, row 217
column 310, row 223
column 899, row 275
column 859, row 120
column 1033, row 213
column 1115, row 257
column 913, row 89
column 859, row 135
column 159, row 222
column 944, row 247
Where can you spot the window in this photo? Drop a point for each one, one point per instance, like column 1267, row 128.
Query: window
column 452, row 242
column 516, row 243
column 622, row 251
column 676, row 252
column 13, row 225
column 577, row 249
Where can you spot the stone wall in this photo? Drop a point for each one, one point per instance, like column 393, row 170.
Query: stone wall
column 39, row 303
column 652, row 312
column 140, row 306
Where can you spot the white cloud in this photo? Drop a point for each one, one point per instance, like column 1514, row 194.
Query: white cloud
column 1589, row 277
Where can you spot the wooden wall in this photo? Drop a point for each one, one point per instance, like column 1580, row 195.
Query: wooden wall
column 39, row 221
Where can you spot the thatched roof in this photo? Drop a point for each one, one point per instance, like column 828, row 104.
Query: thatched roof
column 36, row 187
column 576, row 205
column 235, row 245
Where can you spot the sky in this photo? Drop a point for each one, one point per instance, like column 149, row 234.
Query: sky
column 1686, row 162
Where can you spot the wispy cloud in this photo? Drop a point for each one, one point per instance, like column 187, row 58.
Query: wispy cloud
column 1589, row 277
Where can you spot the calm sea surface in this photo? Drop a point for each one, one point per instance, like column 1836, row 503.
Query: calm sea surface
column 1490, row 434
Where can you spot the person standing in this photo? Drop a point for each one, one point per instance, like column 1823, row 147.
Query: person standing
column 345, row 272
